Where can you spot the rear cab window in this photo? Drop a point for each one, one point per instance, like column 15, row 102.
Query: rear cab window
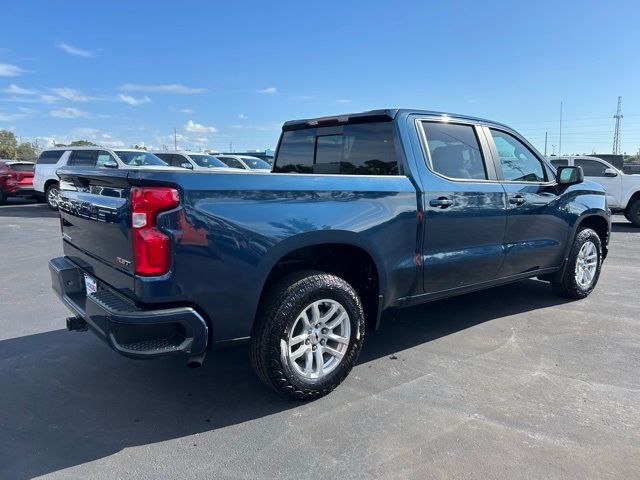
column 353, row 149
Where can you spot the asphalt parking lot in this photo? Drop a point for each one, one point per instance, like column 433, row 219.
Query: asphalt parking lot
column 513, row 382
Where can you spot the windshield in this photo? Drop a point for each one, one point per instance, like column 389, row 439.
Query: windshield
column 138, row 159
column 207, row 161
column 256, row 164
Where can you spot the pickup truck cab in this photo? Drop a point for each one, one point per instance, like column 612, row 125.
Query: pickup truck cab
column 363, row 212
column 623, row 190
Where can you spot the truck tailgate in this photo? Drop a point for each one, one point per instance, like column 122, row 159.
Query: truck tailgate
column 95, row 217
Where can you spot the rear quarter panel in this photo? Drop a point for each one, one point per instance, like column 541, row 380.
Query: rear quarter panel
column 233, row 228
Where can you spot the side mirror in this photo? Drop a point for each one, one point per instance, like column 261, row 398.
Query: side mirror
column 110, row 164
column 187, row 165
column 610, row 172
column 569, row 175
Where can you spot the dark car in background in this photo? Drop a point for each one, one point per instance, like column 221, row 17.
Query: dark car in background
column 16, row 179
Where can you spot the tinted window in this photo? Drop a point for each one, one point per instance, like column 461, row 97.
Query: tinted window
column 83, row 158
column 138, row 159
column 361, row 149
column 22, row 167
column 165, row 157
column 518, row 163
column 256, row 163
column 591, row 168
column 560, row 163
column 207, row 161
column 295, row 154
column 454, row 150
column 50, row 157
column 104, row 157
column 231, row 162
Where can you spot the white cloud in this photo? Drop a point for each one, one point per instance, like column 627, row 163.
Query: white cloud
column 71, row 94
column 187, row 110
column 71, row 50
column 242, row 116
column 133, row 100
column 8, row 117
column 8, row 70
column 68, row 113
column 343, row 100
column 27, row 111
column 193, row 127
column 15, row 89
column 269, row 90
column 165, row 88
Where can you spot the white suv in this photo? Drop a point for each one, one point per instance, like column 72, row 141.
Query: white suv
column 45, row 179
column 623, row 191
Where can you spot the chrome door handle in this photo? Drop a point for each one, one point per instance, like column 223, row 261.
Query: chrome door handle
column 517, row 200
column 442, row 202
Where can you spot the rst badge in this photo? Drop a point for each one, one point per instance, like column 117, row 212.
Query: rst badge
column 122, row 261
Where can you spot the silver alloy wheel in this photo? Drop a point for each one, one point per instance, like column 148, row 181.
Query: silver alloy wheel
column 318, row 340
column 586, row 264
column 52, row 197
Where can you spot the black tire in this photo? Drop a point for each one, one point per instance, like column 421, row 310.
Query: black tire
column 633, row 213
column 277, row 316
column 53, row 186
column 564, row 282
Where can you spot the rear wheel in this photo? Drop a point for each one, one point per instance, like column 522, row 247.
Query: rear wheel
column 51, row 196
column 580, row 275
column 308, row 335
column 633, row 213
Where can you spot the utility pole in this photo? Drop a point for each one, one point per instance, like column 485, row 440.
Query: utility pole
column 175, row 140
column 616, row 134
column 545, row 143
column 560, row 141
column 554, row 149
column 230, row 147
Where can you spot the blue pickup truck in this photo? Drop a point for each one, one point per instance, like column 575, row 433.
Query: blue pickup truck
column 362, row 212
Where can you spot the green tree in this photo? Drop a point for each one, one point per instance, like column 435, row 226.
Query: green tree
column 8, row 144
column 82, row 143
column 27, row 151
column 138, row 147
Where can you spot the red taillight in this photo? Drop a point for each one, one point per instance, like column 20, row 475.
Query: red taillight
column 151, row 247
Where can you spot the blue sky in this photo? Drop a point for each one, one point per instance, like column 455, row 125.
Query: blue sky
column 130, row 72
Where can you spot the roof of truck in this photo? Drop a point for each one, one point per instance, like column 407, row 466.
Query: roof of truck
column 376, row 116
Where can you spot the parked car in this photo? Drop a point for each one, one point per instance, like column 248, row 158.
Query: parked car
column 381, row 209
column 191, row 160
column 245, row 162
column 45, row 181
column 16, row 179
column 623, row 190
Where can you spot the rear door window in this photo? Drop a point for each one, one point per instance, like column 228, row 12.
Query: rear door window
column 83, row 158
column 560, row 163
column 50, row 157
column 358, row 149
column 232, row 162
column 454, row 151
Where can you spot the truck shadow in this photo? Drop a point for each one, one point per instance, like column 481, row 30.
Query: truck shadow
column 66, row 399
column 624, row 227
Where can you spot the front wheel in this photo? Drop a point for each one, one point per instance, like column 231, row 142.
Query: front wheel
column 308, row 335
column 633, row 213
column 580, row 275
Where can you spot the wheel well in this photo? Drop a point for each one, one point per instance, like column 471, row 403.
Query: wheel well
column 601, row 227
column 633, row 198
column 49, row 182
column 349, row 262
